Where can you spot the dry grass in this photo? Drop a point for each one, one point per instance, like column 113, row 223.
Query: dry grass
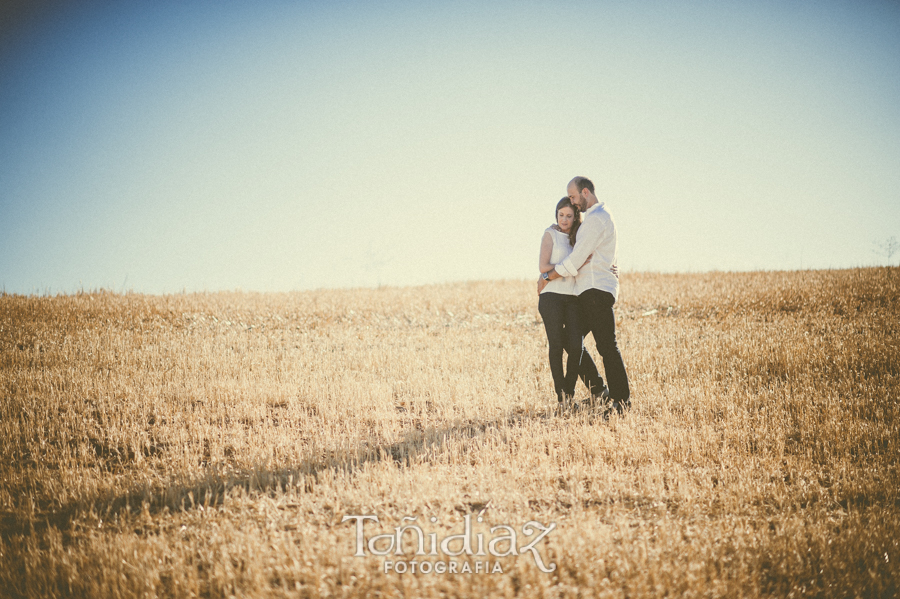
column 210, row 445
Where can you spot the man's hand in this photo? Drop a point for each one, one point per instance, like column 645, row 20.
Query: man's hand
column 541, row 284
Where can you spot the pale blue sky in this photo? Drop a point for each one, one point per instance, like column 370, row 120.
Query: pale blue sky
column 298, row 145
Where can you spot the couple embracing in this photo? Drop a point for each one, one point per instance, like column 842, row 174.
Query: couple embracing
column 578, row 286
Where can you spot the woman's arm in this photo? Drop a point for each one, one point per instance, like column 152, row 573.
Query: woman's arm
column 586, row 261
column 546, row 251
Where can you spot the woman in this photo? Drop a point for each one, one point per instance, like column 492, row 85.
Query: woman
column 558, row 306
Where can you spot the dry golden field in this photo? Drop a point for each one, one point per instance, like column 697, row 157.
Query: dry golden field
column 212, row 444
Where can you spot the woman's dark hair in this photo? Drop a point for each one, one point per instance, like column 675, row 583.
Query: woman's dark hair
column 576, row 222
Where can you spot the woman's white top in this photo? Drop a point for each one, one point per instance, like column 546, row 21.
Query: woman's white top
column 561, row 251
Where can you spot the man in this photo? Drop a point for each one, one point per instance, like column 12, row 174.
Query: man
column 596, row 285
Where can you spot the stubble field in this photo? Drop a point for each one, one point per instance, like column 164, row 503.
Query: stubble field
column 212, row 445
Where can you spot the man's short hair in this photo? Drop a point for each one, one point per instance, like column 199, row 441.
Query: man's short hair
column 583, row 183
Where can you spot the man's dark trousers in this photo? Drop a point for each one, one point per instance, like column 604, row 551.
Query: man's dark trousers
column 597, row 316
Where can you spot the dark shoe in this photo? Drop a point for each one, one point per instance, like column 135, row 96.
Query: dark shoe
column 600, row 400
column 616, row 407
column 620, row 406
column 565, row 404
column 605, row 411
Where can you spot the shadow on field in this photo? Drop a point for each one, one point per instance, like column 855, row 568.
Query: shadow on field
column 211, row 489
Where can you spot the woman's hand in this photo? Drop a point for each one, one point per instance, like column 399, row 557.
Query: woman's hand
column 614, row 270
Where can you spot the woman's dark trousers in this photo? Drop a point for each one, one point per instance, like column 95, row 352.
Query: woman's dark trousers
column 564, row 332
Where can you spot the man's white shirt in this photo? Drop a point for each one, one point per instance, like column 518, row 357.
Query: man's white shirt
column 597, row 238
